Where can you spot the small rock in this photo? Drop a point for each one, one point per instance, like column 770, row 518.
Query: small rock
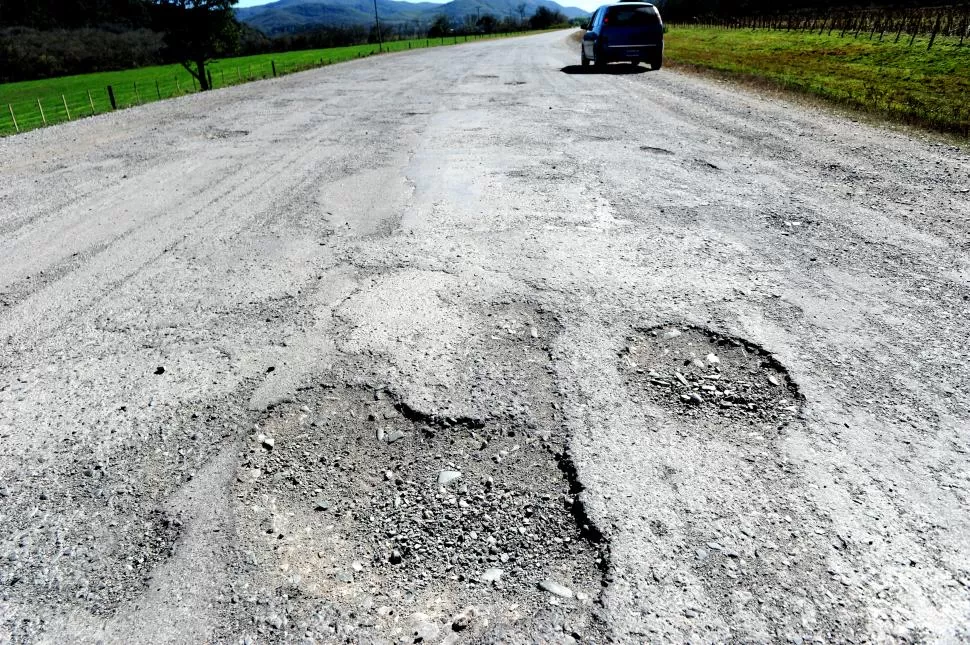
column 492, row 574
column 695, row 398
column 395, row 557
column 773, row 379
column 321, row 505
column 556, row 589
column 396, row 435
column 267, row 442
column 712, row 359
column 535, row 332
column 445, row 477
column 356, row 566
column 159, row 370
column 673, row 333
column 463, row 619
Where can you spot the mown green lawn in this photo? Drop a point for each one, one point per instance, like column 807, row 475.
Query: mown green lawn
column 87, row 94
column 930, row 88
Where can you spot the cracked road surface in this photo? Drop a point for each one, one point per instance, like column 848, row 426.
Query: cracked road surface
column 455, row 346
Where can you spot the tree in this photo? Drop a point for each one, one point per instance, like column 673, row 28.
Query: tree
column 440, row 27
column 196, row 31
column 544, row 18
column 488, row 24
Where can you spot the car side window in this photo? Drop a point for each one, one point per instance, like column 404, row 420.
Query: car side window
column 592, row 20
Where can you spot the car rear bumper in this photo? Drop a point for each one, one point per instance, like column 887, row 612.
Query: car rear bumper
column 633, row 52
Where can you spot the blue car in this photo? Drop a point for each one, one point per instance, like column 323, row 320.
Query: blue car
column 625, row 31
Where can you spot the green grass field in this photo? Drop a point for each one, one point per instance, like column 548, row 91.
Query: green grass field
column 87, row 94
column 907, row 84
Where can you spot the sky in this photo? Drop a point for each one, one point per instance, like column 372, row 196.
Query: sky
column 587, row 5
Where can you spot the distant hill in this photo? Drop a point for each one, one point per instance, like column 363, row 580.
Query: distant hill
column 291, row 16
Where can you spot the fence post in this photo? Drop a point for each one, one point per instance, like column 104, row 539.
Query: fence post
column 66, row 110
column 15, row 126
column 158, row 90
column 273, row 63
column 916, row 27
column 137, row 96
column 41, row 108
column 91, row 103
column 936, row 28
column 208, row 75
column 222, row 76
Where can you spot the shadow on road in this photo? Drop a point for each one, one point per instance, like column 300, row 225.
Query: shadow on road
column 615, row 70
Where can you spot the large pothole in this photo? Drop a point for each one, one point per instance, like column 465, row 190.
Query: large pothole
column 375, row 521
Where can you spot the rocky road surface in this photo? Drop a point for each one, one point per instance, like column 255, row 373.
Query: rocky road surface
column 463, row 345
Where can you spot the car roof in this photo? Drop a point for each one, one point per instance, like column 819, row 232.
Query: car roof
column 627, row 3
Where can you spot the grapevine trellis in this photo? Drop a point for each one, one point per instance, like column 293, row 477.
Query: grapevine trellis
column 949, row 23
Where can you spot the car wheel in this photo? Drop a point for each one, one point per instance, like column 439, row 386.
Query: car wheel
column 657, row 63
column 583, row 59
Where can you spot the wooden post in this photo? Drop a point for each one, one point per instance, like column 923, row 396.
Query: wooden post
column 273, row 64
column 208, row 75
column 111, row 98
column 13, row 118
column 91, row 103
column 41, row 108
column 936, row 28
column 158, row 90
column 137, row 96
column 222, row 76
column 66, row 110
column 237, row 74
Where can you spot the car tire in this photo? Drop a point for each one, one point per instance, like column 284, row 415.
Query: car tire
column 657, row 63
column 583, row 59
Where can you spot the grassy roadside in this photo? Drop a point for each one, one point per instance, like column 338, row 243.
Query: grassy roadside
column 86, row 94
column 906, row 84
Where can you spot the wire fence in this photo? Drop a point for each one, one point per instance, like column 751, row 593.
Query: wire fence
column 52, row 108
column 948, row 25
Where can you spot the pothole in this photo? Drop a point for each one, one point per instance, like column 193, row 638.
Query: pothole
column 699, row 373
column 372, row 518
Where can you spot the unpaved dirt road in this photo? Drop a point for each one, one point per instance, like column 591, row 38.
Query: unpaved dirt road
column 455, row 346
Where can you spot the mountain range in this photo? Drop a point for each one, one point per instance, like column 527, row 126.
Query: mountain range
column 290, row 16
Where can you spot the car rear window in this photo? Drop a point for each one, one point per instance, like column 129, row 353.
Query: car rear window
column 631, row 16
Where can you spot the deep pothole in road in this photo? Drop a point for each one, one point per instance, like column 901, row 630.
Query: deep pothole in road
column 699, row 373
column 376, row 520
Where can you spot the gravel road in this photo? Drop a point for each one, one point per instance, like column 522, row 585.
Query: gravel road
column 465, row 345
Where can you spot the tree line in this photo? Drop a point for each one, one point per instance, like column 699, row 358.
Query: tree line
column 51, row 38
